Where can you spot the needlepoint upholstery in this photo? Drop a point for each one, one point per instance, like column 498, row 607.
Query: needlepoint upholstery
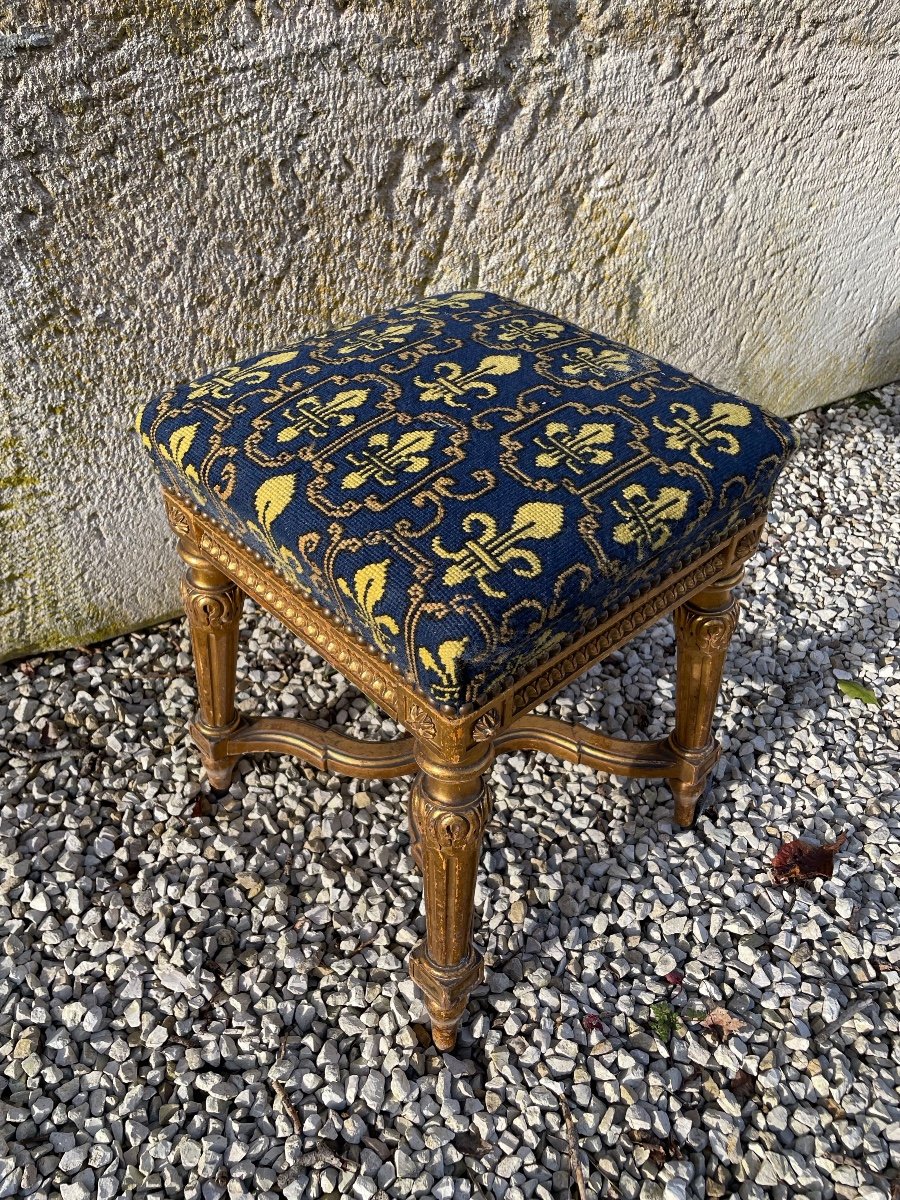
column 464, row 480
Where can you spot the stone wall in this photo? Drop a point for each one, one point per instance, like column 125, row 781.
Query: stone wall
column 182, row 183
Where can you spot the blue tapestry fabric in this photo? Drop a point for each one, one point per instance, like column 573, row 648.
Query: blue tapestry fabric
column 464, row 480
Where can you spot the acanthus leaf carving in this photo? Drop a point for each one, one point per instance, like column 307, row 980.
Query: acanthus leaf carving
column 707, row 632
column 450, row 828
column 214, row 608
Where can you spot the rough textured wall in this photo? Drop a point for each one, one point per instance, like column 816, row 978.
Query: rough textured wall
column 187, row 182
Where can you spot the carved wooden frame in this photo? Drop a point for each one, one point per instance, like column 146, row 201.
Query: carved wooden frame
column 451, row 752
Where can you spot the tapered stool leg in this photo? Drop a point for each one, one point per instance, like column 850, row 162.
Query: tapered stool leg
column 213, row 606
column 703, row 629
column 451, row 806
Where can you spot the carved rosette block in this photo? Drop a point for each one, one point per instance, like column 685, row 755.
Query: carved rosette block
column 703, row 629
column 213, row 607
column 486, row 726
column 450, row 806
column 419, row 720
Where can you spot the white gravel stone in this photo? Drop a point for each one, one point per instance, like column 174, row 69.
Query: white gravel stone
column 164, row 967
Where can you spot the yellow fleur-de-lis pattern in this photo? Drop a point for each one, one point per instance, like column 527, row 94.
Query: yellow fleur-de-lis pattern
column 579, row 449
column 384, row 458
column 465, row 481
column 490, row 553
column 444, row 665
column 451, row 382
column 700, row 434
column 317, row 417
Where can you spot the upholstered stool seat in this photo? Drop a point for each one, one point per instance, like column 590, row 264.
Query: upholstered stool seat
column 465, row 481
column 462, row 502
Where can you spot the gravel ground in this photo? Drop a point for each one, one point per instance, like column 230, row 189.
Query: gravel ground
column 210, row 1006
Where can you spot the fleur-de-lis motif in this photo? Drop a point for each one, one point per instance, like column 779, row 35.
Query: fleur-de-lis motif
column 559, row 445
column 487, row 554
column 458, row 302
column 312, row 415
column 376, row 340
column 452, row 381
column 447, row 669
column 222, row 383
column 647, row 523
column 383, row 462
column 367, row 591
column 584, row 362
column 694, row 433
column 528, row 334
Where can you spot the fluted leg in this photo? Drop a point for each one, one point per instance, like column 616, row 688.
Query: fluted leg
column 213, row 606
column 703, row 629
column 415, row 837
column 450, row 806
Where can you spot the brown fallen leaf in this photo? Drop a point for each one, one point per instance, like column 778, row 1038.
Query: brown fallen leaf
column 661, row 1150
column 805, row 860
column 722, row 1024
column 743, row 1084
column 467, row 1142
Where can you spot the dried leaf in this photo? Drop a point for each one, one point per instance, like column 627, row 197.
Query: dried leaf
column 675, row 978
column 722, row 1023
column 805, row 860
column 591, row 1023
column 467, row 1142
column 743, row 1084
column 855, row 690
column 661, row 1150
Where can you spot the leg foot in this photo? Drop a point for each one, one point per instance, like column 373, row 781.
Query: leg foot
column 686, row 799
column 220, row 774
column 703, row 629
column 690, row 802
column 450, row 805
column 213, row 606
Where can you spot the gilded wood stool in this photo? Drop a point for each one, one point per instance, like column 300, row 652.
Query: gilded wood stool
column 462, row 504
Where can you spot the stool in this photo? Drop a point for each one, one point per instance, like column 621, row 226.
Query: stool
column 462, row 504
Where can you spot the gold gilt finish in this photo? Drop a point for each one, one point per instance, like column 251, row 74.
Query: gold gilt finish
column 451, row 753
